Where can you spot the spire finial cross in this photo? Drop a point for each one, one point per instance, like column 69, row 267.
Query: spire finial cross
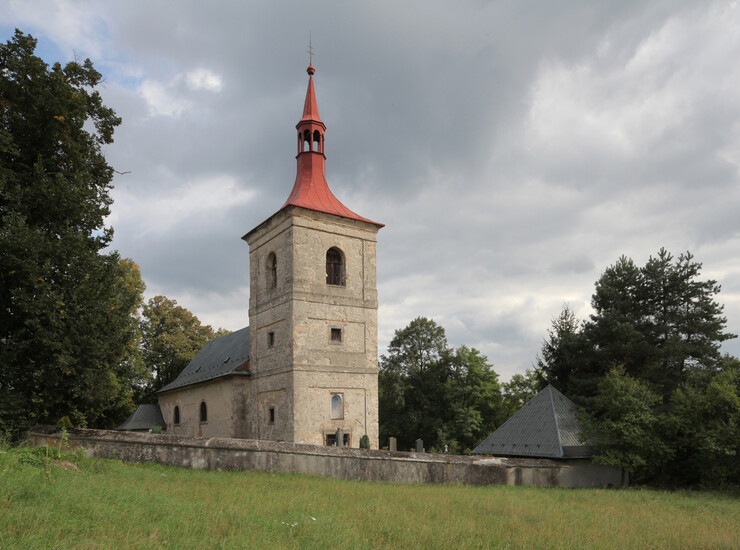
column 310, row 49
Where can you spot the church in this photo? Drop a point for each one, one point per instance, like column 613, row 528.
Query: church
column 306, row 367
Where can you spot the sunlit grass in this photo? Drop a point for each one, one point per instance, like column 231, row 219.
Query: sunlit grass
column 108, row 504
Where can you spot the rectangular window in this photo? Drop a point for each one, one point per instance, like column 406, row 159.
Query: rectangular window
column 270, row 339
column 272, row 415
column 336, row 335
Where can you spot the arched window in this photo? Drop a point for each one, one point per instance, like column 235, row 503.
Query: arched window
column 334, row 267
column 316, row 141
column 203, row 412
column 307, row 140
column 177, row 415
column 271, row 271
column 337, row 406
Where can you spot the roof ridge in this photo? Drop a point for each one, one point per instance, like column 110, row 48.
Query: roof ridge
column 555, row 417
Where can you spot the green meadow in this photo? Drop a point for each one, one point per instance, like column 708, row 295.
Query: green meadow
column 47, row 503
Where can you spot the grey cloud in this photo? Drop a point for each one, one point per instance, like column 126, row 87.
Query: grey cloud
column 428, row 114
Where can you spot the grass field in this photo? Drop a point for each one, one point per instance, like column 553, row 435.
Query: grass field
column 108, row 504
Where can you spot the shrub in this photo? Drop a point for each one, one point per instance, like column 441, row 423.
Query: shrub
column 65, row 422
column 364, row 442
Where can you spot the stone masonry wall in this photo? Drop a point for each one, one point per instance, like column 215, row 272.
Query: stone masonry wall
column 270, row 330
column 294, row 361
column 351, row 464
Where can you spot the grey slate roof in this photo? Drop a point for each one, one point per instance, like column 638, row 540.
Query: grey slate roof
column 545, row 427
column 144, row 418
column 220, row 357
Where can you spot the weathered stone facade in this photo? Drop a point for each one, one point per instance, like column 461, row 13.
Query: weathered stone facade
column 312, row 340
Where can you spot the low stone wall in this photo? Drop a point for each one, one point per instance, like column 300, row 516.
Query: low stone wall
column 353, row 464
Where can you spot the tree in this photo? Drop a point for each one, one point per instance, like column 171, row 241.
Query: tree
column 171, row 337
column 64, row 310
column 704, row 429
column 659, row 322
column 562, row 351
column 442, row 395
column 624, row 426
column 520, row 389
column 473, row 394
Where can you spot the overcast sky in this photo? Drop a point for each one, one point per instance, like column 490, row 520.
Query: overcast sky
column 514, row 150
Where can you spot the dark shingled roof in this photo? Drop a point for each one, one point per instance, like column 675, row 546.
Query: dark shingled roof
column 545, row 427
column 144, row 418
column 220, row 357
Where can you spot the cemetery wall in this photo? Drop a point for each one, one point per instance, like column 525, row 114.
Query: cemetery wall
column 339, row 463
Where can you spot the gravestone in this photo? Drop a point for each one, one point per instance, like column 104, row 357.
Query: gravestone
column 340, row 437
column 419, row 446
column 392, row 444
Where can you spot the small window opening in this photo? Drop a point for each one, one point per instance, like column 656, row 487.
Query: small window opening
column 334, row 267
column 270, row 339
column 271, row 270
column 337, row 406
column 203, row 412
column 316, row 141
column 307, row 140
column 336, row 335
column 272, row 415
column 177, row 415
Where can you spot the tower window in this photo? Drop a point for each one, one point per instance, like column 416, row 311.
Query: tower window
column 337, row 406
column 203, row 412
column 336, row 335
column 334, row 267
column 270, row 339
column 177, row 415
column 271, row 270
column 272, row 415
column 316, row 141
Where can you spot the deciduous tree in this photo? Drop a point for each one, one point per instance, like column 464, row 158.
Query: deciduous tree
column 442, row 395
column 171, row 337
column 64, row 305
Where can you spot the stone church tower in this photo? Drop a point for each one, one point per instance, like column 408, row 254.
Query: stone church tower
column 313, row 309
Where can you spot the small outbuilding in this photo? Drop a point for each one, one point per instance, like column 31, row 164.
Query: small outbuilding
column 545, row 427
column 143, row 419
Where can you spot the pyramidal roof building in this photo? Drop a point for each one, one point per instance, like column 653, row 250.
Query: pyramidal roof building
column 545, row 427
